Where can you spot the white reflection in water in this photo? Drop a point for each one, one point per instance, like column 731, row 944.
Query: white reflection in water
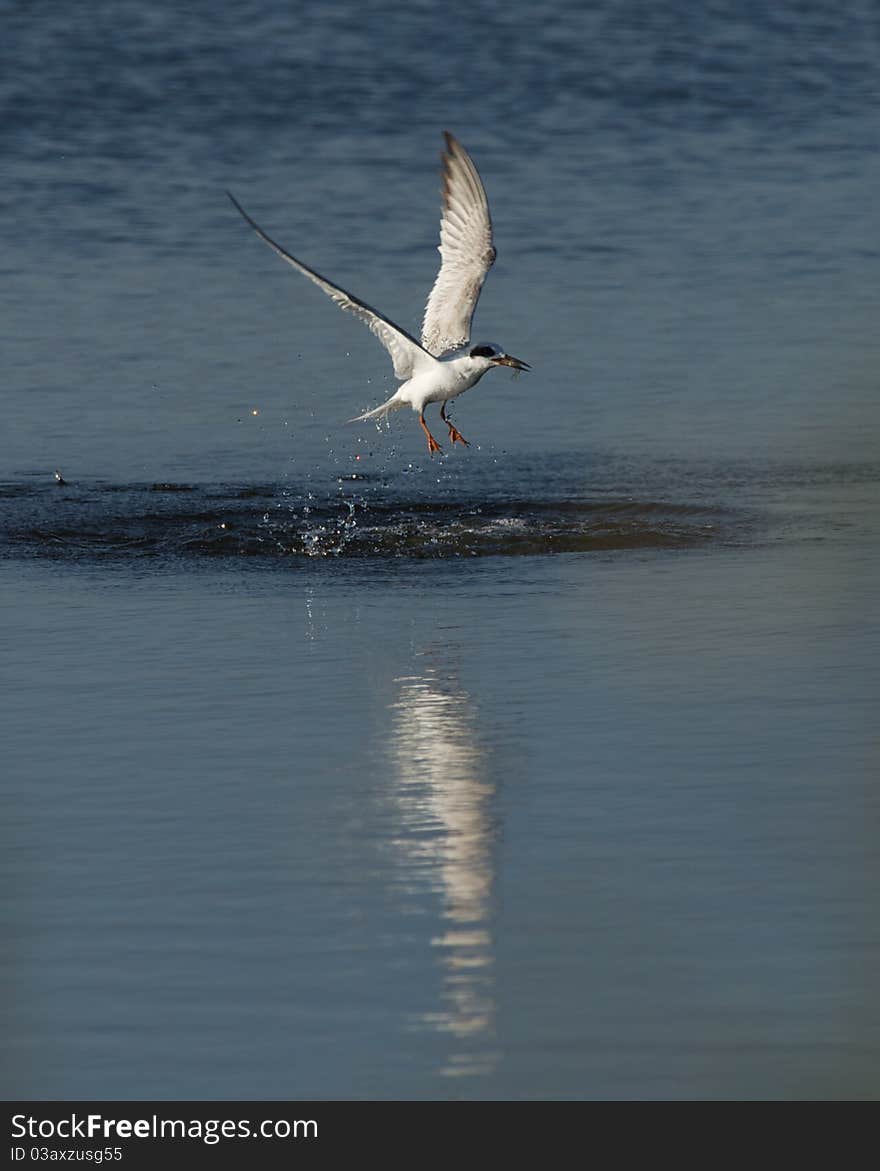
column 445, row 798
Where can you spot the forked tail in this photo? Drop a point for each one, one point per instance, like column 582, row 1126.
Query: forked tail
column 393, row 404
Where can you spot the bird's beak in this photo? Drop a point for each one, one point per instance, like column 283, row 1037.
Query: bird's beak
column 506, row 360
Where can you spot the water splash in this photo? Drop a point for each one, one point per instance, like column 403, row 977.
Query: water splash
column 350, row 520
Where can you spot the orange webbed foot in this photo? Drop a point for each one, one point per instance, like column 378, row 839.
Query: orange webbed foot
column 433, row 445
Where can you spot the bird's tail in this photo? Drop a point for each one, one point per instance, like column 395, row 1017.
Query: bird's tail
column 393, row 404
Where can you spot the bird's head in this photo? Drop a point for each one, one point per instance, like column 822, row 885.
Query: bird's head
column 491, row 355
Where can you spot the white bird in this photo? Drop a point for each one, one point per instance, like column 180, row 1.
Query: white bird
column 445, row 364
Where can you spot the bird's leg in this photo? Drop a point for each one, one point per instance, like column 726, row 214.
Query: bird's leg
column 454, row 434
column 433, row 445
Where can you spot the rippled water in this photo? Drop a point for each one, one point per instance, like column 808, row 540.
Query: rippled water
column 544, row 769
column 167, row 521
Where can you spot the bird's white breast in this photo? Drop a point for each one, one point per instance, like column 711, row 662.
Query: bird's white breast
column 447, row 379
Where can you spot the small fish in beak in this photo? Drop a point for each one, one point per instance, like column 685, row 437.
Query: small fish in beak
column 507, row 360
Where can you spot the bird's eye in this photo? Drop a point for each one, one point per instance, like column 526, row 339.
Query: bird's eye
column 482, row 352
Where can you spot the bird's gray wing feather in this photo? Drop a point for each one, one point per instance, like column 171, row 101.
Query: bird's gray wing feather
column 406, row 353
column 466, row 249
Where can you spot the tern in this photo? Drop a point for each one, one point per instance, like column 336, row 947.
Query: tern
column 444, row 364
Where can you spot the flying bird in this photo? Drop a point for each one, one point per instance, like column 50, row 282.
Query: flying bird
column 444, row 364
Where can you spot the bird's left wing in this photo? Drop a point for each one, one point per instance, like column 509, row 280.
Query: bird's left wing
column 406, row 353
column 467, row 251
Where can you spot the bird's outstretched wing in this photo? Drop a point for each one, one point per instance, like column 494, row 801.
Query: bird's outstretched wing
column 406, row 353
column 466, row 250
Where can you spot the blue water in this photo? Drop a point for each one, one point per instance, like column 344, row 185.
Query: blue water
column 543, row 769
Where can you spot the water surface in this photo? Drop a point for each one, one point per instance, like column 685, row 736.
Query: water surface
column 545, row 769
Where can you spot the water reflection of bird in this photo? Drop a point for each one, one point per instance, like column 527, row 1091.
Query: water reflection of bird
column 445, row 795
column 445, row 364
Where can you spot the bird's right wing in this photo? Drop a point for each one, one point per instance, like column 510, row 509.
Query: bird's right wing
column 406, row 353
column 467, row 251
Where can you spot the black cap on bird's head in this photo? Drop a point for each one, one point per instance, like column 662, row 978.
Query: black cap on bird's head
column 497, row 356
